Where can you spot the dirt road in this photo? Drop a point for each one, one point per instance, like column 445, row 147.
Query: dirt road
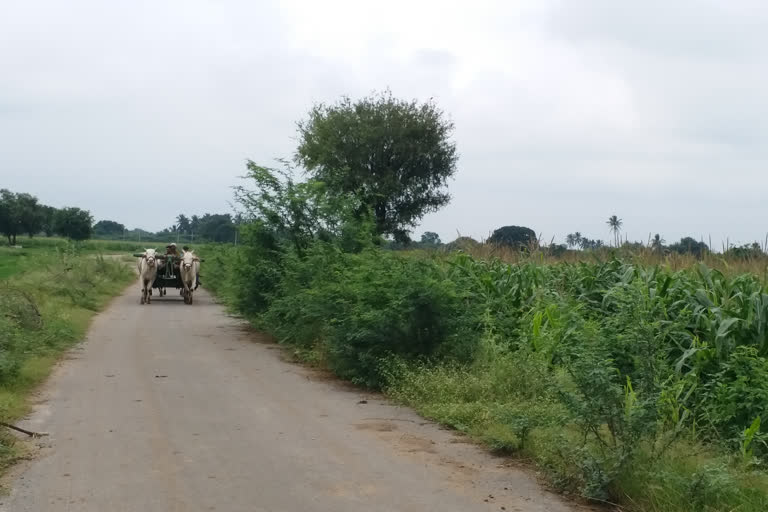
column 170, row 407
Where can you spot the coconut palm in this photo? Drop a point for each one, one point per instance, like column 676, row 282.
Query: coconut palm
column 615, row 224
column 573, row 239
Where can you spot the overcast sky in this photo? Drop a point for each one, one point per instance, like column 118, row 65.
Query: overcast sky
column 566, row 112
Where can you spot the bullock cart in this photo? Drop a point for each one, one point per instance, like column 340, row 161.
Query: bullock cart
column 169, row 275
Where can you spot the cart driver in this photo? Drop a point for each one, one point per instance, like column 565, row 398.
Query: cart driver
column 171, row 263
column 171, row 249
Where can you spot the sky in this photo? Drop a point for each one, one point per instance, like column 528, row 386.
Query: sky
column 566, row 112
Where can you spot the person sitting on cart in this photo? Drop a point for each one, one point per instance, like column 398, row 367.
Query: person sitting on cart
column 170, row 250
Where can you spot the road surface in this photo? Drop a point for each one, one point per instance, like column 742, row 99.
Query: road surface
column 169, row 407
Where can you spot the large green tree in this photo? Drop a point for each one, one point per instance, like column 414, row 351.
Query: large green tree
column 518, row 237
column 108, row 228
column 74, row 223
column 19, row 213
column 393, row 156
column 31, row 214
column 688, row 245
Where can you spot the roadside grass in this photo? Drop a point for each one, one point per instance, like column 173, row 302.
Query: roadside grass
column 503, row 406
column 47, row 301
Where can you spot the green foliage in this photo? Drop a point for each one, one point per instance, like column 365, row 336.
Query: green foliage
column 74, row 223
column 366, row 307
column 22, row 213
column 590, row 369
column 108, row 228
column 746, row 252
column 688, row 245
column 430, row 239
column 393, row 156
column 517, row 237
column 49, row 220
column 624, row 382
column 463, row 243
column 556, row 250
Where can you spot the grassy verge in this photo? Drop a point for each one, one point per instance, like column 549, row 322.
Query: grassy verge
column 47, row 299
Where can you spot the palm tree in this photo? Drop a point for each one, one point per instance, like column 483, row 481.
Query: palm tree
column 615, row 224
column 657, row 244
column 573, row 239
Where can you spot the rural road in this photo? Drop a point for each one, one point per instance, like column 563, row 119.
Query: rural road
column 170, row 407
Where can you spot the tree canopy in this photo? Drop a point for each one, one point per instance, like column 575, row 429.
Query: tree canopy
column 688, row 245
column 430, row 238
column 393, row 156
column 513, row 236
column 74, row 223
column 20, row 213
column 108, row 228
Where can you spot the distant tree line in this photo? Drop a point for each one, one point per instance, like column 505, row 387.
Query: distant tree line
column 210, row 227
column 23, row 214
column 523, row 238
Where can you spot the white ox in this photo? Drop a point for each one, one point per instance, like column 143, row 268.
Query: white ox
column 189, row 268
column 147, row 274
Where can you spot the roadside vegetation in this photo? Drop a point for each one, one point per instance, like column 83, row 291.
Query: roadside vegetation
column 629, row 374
column 48, row 294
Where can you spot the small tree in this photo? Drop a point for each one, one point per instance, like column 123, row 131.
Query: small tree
column 294, row 213
column 108, row 228
column 430, row 238
column 393, row 156
column 74, row 223
column 518, row 237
